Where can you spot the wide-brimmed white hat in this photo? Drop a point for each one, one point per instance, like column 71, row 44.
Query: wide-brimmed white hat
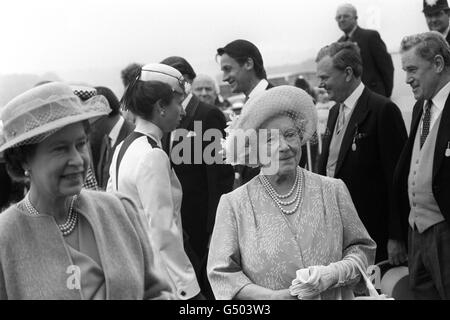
column 37, row 113
column 287, row 101
column 163, row 73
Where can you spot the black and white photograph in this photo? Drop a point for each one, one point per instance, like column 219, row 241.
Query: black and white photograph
column 216, row 152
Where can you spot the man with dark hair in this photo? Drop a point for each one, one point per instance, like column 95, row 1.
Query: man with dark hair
column 378, row 69
column 421, row 199
column 129, row 73
column 106, row 134
column 243, row 68
column 437, row 15
column 203, row 184
column 363, row 140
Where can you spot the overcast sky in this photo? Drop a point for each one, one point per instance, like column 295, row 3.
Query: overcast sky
column 59, row 35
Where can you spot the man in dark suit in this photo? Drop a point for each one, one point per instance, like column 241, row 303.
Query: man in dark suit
column 378, row 69
column 107, row 133
column 421, row 206
column 363, row 140
column 203, row 184
column 437, row 15
column 242, row 67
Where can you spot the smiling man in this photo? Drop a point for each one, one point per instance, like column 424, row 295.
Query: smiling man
column 363, row 140
column 437, row 15
column 421, row 182
column 243, row 68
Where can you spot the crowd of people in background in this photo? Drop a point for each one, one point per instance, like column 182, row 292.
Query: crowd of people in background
column 89, row 182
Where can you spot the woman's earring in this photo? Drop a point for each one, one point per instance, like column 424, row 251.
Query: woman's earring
column 163, row 113
column 27, row 173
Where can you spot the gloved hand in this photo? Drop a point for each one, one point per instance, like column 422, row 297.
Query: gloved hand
column 312, row 281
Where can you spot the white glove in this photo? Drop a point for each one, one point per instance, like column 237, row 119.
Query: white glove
column 311, row 282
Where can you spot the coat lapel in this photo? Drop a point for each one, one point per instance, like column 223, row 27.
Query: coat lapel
column 443, row 138
column 190, row 112
column 358, row 116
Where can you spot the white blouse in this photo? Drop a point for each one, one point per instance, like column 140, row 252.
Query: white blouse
column 145, row 175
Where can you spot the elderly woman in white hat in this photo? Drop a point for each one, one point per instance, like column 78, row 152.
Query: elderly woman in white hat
column 142, row 170
column 288, row 233
column 62, row 241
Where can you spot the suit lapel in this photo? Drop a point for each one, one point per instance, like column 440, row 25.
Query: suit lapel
column 358, row 116
column 443, row 138
column 190, row 112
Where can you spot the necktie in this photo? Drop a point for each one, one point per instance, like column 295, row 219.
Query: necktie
column 426, row 123
column 341, row 119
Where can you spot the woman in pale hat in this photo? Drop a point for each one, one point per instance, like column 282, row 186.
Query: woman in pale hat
column 62, row 241
column 288, row 233
column 142, row 170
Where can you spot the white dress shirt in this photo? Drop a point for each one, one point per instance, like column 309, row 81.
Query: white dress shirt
column 352, row 100
column 114, row 133
column 438, row 105
column 145, row 175
column 259, row 88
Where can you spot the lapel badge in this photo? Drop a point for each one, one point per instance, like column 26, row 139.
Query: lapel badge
column 447, row 151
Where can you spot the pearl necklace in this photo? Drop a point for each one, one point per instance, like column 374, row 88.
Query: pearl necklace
column 65, row 228
column 276, row 197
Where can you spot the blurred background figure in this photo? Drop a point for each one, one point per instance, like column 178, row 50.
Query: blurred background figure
column 323, row 106
column 127, row 75
column 437, row 15
column 206, row 90
column 378, row 68
column 107, row 132
column 302, row 83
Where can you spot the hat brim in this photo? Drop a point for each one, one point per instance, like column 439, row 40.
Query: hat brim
column 54, row 125
column 435, row 10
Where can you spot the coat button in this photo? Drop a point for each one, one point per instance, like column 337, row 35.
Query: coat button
column 183, row 293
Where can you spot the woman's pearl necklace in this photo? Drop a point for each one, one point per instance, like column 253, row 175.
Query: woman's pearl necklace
column 298, row 185
column 65, row 228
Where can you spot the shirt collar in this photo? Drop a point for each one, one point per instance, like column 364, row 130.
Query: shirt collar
column 259, row 88
column 440, row 98
column 114, row 133
column 186, row 101
column 149, row 129
column 351, row 101
column 350, row 34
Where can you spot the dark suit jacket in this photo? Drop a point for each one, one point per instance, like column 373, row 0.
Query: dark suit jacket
column 441, row 174
column 378, row 69
column 98, row 146
column 202, row 184
column 379, row 131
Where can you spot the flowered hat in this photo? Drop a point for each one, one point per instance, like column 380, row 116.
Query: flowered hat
column 287, row 101
column 41, row 111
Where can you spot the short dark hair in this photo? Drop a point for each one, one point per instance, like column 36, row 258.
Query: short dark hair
column 141, row 96
column 181, row 65
column 344, row 54
column 112, row 100
column 128, row 73
column 15, row 158
column 242, row 50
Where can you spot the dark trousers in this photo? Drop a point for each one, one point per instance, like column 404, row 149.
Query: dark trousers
column 429, row 262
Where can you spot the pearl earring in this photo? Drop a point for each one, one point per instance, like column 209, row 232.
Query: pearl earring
column 163, row 113
column 27, row 173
